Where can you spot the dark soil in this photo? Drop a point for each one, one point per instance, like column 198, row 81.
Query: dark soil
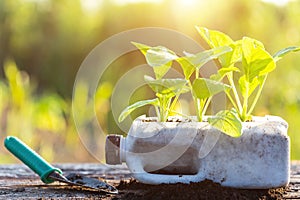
column 204, row 190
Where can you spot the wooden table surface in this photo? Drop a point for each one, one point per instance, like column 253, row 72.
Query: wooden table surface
column 18, row 182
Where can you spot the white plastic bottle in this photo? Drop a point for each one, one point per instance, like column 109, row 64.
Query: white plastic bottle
column 184, row 152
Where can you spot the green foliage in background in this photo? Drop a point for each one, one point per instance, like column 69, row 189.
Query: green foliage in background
column 49, row 39
column 43, row 121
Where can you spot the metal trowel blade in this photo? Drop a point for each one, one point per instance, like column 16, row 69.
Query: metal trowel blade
column 91, row 183
column 84, row 182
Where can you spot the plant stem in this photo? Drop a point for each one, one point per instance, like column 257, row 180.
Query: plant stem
column 161, row 109
column 257, row 96
column 197, row 101
column 206, row 105
column 245, row 103
column 232, row 101
column 164, row 105
column 201, row 113
column 167, row 108
column 199, row 109
column 236, row 96
column 157, row 113
column 174, row 101
column 197, row 73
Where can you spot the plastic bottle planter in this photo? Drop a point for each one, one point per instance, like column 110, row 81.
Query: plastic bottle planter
column 183, row 152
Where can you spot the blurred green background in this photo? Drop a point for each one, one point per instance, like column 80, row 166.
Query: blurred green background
column 43, row 43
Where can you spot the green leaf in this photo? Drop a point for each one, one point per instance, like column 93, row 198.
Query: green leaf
column 199, row 59
column 277, row 56
column 251, row 86
column 157, row 56
column 222, row 72
column 136, row 105
column 160, row 58
column 217, row 39
column 236, row 55
column 205, row 88
column 187, row 67
column 169, row 87
column 142, row 47
column 228, row 122
column 256, row 61
column 160, row 71
column 214, row 38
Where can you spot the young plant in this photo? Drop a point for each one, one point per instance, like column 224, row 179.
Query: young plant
column 256, row 63
column 168, row 90
column 203, row 90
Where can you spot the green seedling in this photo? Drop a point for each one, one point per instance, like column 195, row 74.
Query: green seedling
column 245, row 60
column 255, row 65
column 168, row 90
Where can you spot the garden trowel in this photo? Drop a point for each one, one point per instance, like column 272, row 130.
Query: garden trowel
column 48, row 173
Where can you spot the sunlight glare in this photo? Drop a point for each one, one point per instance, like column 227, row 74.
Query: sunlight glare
column 124, row 2
column 277, row 2
column 187, row 3
column 91, row 5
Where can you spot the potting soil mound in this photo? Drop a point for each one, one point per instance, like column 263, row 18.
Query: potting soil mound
column 204, row 190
